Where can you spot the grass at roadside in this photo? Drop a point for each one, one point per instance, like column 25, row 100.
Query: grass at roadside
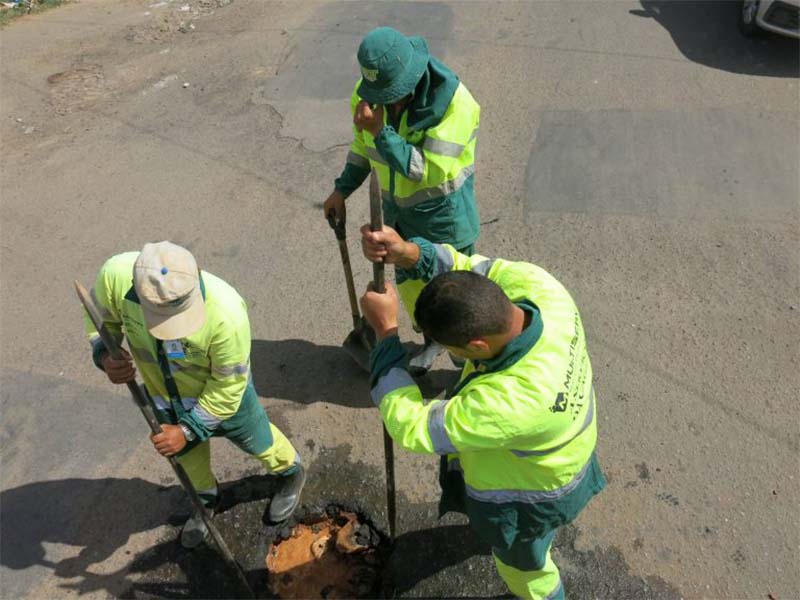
column 9, row 14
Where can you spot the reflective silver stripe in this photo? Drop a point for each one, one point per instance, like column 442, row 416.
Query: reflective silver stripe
column 373, row 154
column 555, row 592
column 586, row 422
column 526, row 496
column 416, row 166
column 189, row 403
column 240, row 369
column 105, row 314
column 160, row 403
column 441, row 441
column 483, row 267
column 446, row 148
column 443, row 147
column 395, row 379
column 205, row 417
column 448, row 187
column 444, row 260
column 357, row 160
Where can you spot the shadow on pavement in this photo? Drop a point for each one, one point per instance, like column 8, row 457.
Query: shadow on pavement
column 706, row 32
column 97, row 515
column 304, row 372
column 418, row 555
column 100, row 515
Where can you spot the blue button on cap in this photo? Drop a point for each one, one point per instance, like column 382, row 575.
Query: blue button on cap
column 164, row 270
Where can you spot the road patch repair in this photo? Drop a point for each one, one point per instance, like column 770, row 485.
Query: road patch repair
column 334, row 553
column 330, row 548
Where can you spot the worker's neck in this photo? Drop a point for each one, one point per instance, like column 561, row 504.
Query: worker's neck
column 520, row 320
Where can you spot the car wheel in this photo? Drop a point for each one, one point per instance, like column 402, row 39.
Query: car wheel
column 747, row 18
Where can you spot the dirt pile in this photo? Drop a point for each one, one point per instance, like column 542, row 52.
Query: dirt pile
column 330, row 555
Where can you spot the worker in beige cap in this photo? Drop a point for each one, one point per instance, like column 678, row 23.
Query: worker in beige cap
column 189, row 337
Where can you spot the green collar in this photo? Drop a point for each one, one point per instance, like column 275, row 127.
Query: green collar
column 432, row 96
column 519, row 346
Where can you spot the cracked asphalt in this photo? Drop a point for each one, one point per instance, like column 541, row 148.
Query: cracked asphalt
column 643, row 152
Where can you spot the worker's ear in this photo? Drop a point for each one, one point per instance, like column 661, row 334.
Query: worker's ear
column 478, row 344
column 478, row 348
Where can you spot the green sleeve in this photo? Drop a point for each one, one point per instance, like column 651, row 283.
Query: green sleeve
column 465, row 422
column 435, row 259
column 395, row 150
column 351, row 178
column 357, row 168
column 221, row 397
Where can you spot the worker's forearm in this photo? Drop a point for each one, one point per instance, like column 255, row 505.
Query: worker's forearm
column 211, row 410
column 351, row 179
column 409, row 257
column 387, row 354
column 399, row 399
column 394, row 150
column 419, row 259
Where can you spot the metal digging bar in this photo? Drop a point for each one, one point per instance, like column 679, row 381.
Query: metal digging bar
column 376, row 224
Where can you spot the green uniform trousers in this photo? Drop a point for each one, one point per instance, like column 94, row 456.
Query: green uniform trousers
column 251, row 430
column 528, row 570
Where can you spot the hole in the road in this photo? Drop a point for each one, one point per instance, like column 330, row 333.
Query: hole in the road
column 332, row 554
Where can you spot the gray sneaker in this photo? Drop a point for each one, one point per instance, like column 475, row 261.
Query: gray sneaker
column 194, row 531
column 423, row 360
column 287, row 497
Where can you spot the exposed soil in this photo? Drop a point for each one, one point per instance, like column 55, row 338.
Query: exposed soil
column 336, row 554
column 349, row 557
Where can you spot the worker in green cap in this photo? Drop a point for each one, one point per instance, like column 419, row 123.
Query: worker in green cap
column 415, row 124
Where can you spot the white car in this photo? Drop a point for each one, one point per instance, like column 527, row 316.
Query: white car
column 778, row 16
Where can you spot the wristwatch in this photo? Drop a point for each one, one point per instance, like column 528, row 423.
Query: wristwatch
column 187, row 432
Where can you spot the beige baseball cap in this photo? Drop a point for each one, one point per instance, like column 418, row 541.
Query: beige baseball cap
column 167, row 281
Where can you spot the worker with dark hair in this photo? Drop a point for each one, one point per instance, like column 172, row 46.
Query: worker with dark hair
column 517, row 437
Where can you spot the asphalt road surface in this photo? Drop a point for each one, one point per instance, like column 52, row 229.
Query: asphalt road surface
column 644, row 153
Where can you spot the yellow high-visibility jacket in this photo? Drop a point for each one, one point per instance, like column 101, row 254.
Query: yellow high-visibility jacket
column 212, row 376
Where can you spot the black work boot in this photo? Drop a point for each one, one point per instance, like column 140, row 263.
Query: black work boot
column 287, row 497
column 422, row 362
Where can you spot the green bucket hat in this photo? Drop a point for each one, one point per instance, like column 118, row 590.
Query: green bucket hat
column 391, row 65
